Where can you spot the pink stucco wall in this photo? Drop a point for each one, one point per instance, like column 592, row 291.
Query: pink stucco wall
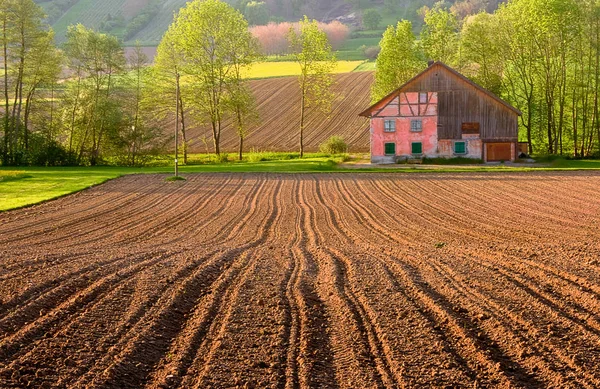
column 403, row 109
column 403, row 136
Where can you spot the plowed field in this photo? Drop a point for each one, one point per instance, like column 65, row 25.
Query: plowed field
column 278, row 102
column 306, row 281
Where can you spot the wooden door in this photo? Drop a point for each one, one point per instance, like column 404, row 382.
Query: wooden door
column 498, row 152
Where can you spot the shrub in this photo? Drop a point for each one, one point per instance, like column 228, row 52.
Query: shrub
column 371, row 52
column 222, row 158
column 334, row 145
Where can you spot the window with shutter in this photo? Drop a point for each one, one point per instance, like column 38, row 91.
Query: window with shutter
column 417, row 148
column 390, row 149
column 460, row 147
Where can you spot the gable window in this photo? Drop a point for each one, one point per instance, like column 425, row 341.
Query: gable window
column 417, row 148
column 390, row 149
column 416, row 125
column 460, row 147
column 390, row 126
column 423, row 97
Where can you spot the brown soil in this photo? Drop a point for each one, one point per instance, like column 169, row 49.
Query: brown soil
column 278, row 104
column 306, row 281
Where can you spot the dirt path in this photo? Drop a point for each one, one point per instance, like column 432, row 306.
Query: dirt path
column 306, row 281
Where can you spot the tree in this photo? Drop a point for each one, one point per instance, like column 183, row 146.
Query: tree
column 371, row 19
column 311, row 50
column 398, row 61
column 96, row 59
column 257, row 13
column 481, row 50
column 23, row 36
column 214, row 38
column 439, row 36
column 161, row 94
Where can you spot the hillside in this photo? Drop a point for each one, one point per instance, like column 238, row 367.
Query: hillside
column 147, row 20
column 278, row 103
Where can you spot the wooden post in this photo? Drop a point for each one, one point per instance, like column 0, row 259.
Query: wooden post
column 177, row 127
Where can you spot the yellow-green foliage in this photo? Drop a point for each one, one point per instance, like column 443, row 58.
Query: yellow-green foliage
column 280, row 69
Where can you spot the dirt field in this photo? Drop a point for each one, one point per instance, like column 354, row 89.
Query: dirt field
column 306, row 281
column 278, row 102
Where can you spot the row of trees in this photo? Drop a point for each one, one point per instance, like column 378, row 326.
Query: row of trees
column 89, row 102
column 543, row 56
column 273, row 38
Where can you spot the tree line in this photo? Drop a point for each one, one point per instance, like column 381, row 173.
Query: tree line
column 88, row 102
column 542, row 56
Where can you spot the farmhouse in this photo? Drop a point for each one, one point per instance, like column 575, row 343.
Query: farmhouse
column 441, row 113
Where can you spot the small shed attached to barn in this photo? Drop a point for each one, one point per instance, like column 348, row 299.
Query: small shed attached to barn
column 441, row 113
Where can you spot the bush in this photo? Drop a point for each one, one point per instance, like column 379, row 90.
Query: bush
column 371, row 52
column 334, row 145
column 222, row 158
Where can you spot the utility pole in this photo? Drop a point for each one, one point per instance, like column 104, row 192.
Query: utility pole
column 177, row 127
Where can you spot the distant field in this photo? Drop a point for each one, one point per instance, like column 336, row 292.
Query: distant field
column 278, row 105
column 281, row 69
column 87, row 12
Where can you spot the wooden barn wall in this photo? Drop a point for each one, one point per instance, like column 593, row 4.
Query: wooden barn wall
column 459, row 101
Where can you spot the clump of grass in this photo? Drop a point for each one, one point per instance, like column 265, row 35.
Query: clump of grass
column 221, row 158
column 174, row 179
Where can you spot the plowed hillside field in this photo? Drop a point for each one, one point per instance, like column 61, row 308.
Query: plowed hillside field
column 278, row 102
column 306, row 281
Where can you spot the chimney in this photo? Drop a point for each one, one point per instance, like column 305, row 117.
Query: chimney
column 430, row 63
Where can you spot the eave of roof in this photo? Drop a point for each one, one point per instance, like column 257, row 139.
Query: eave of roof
column 368, row 111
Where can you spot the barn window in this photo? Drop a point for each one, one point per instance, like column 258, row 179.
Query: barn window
column 417, row 148
column 460, row 147
column 390, row 126
column 390, row 149
column 423, row 97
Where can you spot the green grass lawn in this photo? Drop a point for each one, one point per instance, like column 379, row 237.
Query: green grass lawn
column 31, row 185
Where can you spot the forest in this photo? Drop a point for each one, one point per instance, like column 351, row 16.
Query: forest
column 86, row 102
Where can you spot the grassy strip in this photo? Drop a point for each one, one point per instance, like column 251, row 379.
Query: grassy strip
column 33, row 185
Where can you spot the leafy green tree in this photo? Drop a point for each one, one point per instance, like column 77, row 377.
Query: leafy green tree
column 214, row 39
column 23, row 35
column 43, row 68
column 439, row 36
column 311, row 50
column 257, row 13
column 481, row 49
column 371, row 19
column 96, row 58
column 161, row 94
column 398, row 61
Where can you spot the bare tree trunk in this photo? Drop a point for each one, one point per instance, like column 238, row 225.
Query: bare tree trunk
column 302, row 109
column 72, row 132
column 183, row 134
column 6, row 97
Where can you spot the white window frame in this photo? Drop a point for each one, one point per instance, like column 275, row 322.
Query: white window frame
column 424, row 94
column 391, row 128
column 454, row 147
column 420, row 126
